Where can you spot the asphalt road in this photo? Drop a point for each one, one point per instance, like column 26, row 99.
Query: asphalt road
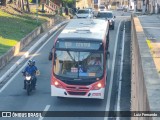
column 14, row 98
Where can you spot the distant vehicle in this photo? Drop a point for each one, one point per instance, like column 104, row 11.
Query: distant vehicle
column 131, row 6
column 125, row 8
column 102, row 8
column 122, row 8
column 119, row 8
column 108, row 15
column 92, row 10
column 79, row 59
column 84, row 13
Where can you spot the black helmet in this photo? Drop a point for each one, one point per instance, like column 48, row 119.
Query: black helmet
column 33, row 62
column 30, row 62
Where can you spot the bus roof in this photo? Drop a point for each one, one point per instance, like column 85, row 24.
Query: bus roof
column 85, row 29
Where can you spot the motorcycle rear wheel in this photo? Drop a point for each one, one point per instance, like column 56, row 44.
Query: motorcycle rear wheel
column 28, row 89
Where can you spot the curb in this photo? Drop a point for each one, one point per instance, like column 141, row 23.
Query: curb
column 41, row 40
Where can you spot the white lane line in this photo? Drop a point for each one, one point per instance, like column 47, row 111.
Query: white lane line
column 120, row 78
column 9, row 81
column 112, row 72
column 108, row 63
column 44, row 111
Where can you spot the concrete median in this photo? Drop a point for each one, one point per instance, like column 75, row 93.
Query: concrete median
column 145, row 82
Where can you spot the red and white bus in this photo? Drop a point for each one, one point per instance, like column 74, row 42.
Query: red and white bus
column 79, row 59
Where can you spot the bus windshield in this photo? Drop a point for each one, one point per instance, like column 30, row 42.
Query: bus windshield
column 78, row 65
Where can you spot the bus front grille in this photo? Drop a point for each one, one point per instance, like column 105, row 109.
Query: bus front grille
column 77, row 88
column 77, row 93
column 78, row 82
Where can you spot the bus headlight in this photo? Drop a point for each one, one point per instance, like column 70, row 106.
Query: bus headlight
column 57, row 84
column 97, row 86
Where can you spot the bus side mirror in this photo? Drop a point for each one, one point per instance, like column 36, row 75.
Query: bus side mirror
column 55, row 56
column 108, row 54
column 50, row 56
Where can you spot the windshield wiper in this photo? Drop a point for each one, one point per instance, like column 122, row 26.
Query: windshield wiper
column 70, row 55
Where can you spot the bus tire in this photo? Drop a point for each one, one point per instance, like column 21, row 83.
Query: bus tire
column 59, row 97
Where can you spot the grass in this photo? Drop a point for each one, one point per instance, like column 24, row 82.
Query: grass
column 14, row 26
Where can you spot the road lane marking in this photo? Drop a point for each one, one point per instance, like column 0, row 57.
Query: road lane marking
column 45, row 111
column 120, row 78
column 112, row 72
column 11, row 79
column 108, row 63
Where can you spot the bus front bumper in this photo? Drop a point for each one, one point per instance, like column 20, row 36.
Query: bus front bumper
column 97, row 94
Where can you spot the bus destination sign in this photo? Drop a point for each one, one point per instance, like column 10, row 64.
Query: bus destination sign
column 78, row 45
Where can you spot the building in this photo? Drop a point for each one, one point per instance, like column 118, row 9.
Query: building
column 152, row 6
column 58, row 2
column 148, row 6
column 84, row 3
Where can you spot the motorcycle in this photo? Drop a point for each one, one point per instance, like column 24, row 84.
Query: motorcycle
column 29, row 82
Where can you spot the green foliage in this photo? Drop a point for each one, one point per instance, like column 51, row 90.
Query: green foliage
column 68, row 1
column 30, row 1
column 15, row 27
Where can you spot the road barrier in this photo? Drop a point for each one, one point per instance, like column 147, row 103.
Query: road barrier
column 145, row 82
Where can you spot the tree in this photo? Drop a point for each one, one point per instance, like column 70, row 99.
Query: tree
column 68, row 2
column 21, row 3
column 27, row 6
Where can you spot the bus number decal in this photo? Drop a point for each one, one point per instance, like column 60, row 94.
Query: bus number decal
column 83, row 45
column 96, row 94
column 68, row 44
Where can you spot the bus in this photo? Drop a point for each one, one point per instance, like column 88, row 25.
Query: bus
column 79, row 59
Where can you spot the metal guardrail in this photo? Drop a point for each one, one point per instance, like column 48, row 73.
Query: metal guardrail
column 51, row 7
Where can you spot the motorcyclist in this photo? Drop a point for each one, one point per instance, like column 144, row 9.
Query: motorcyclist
column 31, row 69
